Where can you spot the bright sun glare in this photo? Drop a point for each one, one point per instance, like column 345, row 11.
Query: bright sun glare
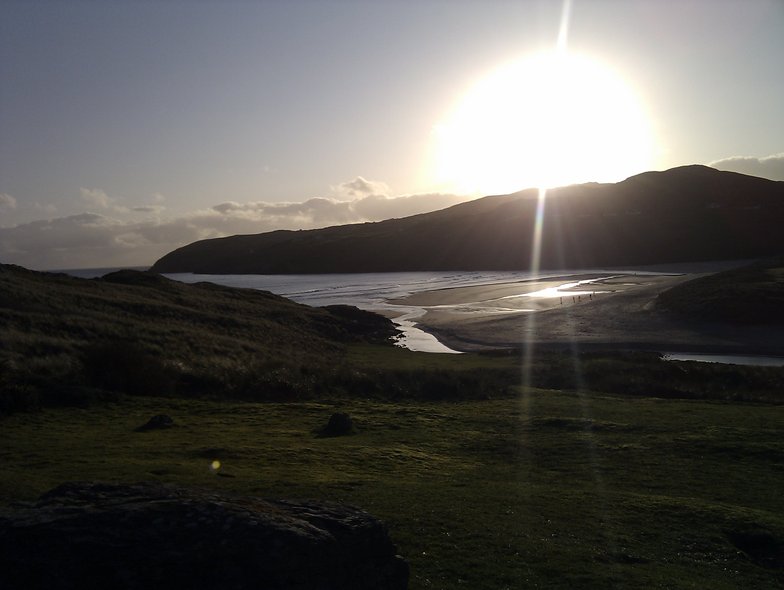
column 547, row 120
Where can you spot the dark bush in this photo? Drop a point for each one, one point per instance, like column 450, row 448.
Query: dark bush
column 276, row 381
column 126, row 367
column 74, row 395
column 17, row 398
column 16, row 394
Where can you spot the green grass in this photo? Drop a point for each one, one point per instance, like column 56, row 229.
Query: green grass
column 547, row 489
column 383, row 357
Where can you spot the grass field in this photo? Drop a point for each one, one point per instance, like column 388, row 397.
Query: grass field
column 546, row 489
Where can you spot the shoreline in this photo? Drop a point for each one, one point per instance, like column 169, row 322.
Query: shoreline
column 620, row 313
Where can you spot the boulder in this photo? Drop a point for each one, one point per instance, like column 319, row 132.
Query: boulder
column 147, row 535
column 339, row 424
column 158, row 422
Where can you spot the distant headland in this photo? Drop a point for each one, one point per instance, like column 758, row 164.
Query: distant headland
column 686, row 214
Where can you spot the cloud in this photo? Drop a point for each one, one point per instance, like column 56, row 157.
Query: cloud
column 377, row 207
column 100, row 240
column 316, row 212
column 321, row 212
column 7, row 201
column 91, row 240
column 96, row 197
column 359, row 187
column 47, row 208
column 771, row 167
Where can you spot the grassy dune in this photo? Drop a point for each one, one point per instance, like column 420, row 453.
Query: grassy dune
column 64, row 339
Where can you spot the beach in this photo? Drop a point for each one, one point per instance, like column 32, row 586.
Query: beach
column 470, row 311
column 588, row 310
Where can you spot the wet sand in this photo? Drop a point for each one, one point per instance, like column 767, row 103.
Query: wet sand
column 599, row 311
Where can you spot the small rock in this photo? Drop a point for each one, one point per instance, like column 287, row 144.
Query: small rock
column 159, row 422
column 339, row 424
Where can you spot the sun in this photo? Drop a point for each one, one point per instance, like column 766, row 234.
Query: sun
column 546, row 120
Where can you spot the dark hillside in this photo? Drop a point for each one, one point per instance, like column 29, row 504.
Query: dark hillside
column 750, row 295
column 139, row 332
column 687, row 214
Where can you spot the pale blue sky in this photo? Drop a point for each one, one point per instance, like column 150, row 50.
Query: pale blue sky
column 128, row 128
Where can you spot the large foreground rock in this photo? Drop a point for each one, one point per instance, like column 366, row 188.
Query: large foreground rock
column 88, row 535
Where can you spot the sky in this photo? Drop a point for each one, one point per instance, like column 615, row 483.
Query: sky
column 130, row 128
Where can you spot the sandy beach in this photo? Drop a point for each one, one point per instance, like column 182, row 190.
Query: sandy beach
column 590, row 310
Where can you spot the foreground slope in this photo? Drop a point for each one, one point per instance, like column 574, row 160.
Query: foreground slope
column 552, row 490
column 142, row 333
column 692, row 213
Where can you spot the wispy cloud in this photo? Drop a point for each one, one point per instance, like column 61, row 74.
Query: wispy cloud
column 148, row 209
column 360, row 187
column 771, row 167
column 112, row 238
column 7, row 201
column 95, row 197
column 377, row 207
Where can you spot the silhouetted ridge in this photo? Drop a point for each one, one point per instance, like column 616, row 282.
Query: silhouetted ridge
column 686, row 214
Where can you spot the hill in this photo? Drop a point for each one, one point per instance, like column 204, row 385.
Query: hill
column 137, row 332
column 751, row 295
column 686, row 214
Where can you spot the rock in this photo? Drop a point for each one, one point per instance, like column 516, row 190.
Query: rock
column 142, row 536
column 158, row 422
column 339, row 425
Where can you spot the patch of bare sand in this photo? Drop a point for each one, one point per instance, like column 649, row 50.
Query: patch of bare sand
column 522, row 296
column 485, row 293
column 620, row 312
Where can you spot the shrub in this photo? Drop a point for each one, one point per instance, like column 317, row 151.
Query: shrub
column 16, row 397
column 124, row 366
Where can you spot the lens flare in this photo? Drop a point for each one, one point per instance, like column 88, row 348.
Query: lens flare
column 530, row 324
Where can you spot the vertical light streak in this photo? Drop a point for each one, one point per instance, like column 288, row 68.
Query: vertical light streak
column 536, row 242
column 529, row 331
column 563, row 29
column 585, row 407
column 529, row 334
